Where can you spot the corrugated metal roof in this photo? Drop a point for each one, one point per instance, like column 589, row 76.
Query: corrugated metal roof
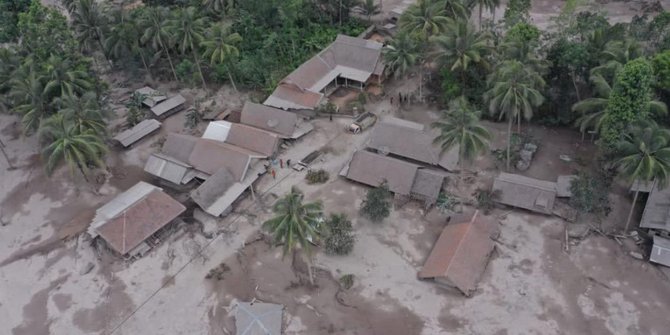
column 660, row 251
column 134, row 134
column 427, row 184
column 168, row 105
column 269, row 118
column 373, row 169
column 179, row 146
column 656, row 213
column 212, row 189
column 461, row 254
column 135, row 223
column 258, row 318
column 288, row 96
column 642, row 186
column 153, row 97
column 166, row 168
column 217, row 130
column 524, row 192
column 209, row 156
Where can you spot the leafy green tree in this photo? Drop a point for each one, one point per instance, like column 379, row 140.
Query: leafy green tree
column 617, row 53
column 661, row 64
column 590, row 192
column 156, row 33
column 188, row 28
column 44, row 31
column 377, row 204
column 66, row 144
column 83, row 113
column 370, row 8
column 220, row 45
column 89, row 20
column 516, row 11
column 425, row 18
column 401, row 54
column 9, row 18
column 644, row 155
column 340, row 237
column 219, row 6
column 628, row 102
column 459, row 46
column 514, row 93
column 27, row 93
column 459, row 127
column 296, row 224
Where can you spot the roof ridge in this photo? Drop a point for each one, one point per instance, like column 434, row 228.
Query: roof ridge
column 460, row 242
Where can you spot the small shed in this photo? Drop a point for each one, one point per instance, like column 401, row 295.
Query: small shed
column 209, row 195
column 642, row 186
column 523, row 192
column 563, row 185
column 656, row 214
column 461, row 254
column 169, row 106
column 660, row 251
column 167, row 168
column 258, row 318
column 137, row 132
column 151, row 97
column 427, row 185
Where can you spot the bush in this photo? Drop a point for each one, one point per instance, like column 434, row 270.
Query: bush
column 319, row 176
column 590, row 193
column 446, row 202
column 339, row 235
column 217, row 272
column 486, row 199
column 135, row 115
column 377, row 204
column 347, row 281
column 192, row 118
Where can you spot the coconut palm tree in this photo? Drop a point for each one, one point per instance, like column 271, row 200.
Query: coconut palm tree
column 459, row 127
column 425, row 18
column 219, row 45
column 187, row 28
column 457, row 9
column 61, row 78
column 491, row 5
column 89, row 20
column 401, row 54
column 592, row 110
column 644, row 155
column 370, row 8
column 616, row 54
column 156, row 33
column 83, row 112
column 124, row 39
column 67, row 144
column 296, row 224
column 27, row 93
column 514, row 93
column 459, row 46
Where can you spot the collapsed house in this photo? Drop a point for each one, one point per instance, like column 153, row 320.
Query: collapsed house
column 460, row 255
column 129, row 136
column 258, row 318
column 285, row 124
column 228, row 158
column 347, row 62
column 524, row 192
column 151, row 96
column 409, row 140
column 130, row 224
column 403, row 179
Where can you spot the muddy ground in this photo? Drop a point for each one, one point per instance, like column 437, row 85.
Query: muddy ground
column 53, row 282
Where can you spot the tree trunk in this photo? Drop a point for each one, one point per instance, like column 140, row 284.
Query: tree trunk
column 518, row 125
column 509, row 139
column 81, row 169
column 197, row 63
column 232, row 82
column 632, row 208
column 160, row 40
column 102, row 48
column 574, row 83
column 144, row 62
column 309, row 269
column 2, row 148
column 480, row 16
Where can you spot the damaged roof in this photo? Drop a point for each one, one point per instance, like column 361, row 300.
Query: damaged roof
column 460, row 255
column 525, row 192
column 656, row 213
column 258, row 318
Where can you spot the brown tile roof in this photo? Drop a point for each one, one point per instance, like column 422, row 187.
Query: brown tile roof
column 179, row 146
column 209, row 156
column 254, row 139
column 461, row 254
column 410, row 142
column 139, row 221
column 269, row 118
column 373, row 169
column 290, row 96
column 524, row 192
